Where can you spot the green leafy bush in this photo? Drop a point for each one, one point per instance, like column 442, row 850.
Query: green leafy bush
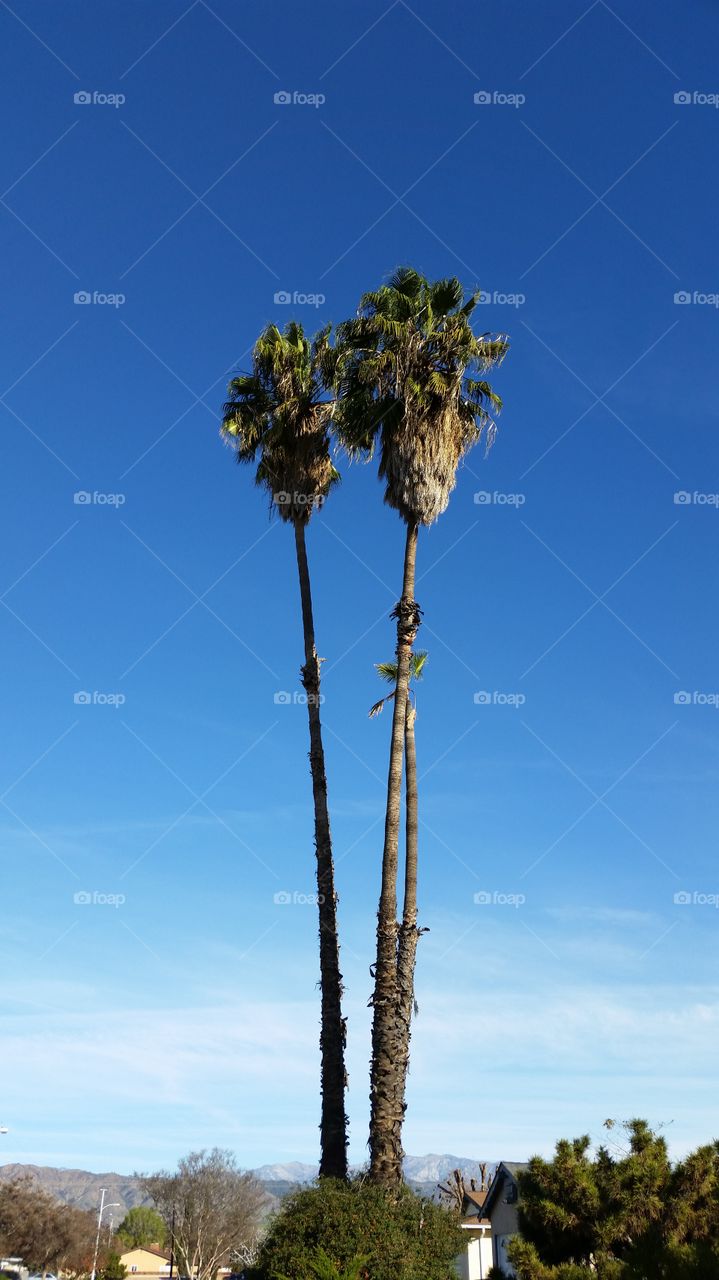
column 395, row 1237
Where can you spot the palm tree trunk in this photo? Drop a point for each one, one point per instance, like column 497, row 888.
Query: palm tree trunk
column 333, row 1033
column 387, row 1113
column 409, row 933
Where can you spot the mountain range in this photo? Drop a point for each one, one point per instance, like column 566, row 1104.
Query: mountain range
column 81, row 1188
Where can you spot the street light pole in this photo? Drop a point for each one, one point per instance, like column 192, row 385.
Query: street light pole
column 103, row 1207
column 103, row 1191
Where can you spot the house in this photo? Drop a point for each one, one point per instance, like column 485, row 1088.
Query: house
column 476, row 1258
column 146, row 1262
column 500, row 1207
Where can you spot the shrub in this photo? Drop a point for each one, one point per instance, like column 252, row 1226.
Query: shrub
column 402, row 1237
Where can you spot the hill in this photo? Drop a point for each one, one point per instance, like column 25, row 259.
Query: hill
column 81, row 1188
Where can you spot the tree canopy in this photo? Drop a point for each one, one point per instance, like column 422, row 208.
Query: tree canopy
column 216, row 1210
column 142, row 1226
column 334, row 1229
column 45, row 1233
column 621, row 1212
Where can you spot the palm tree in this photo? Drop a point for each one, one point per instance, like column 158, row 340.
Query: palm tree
column 410, row 384
column 276, row 415
column 409, row 932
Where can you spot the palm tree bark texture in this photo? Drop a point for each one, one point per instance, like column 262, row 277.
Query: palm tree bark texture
column 333, row 1033
column 388, row 1032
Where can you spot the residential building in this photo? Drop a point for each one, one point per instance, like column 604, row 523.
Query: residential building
column 146, row 1262
column 500, row 1207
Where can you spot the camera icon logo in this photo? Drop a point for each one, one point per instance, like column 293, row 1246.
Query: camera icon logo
column 282, row 898
column 682, row 297
column 282, row 698
column 82, row 698
column 682, row 98
column 82, row 298
column 482, row 498
column 283, row 298
column 282, row 97
column 483, row 898
column 82, row 97
column 283, row 498
column 483, row 698
column 682, row 698
column 682, row 497
column 484, row 297
column 482, row 97
column 81, row 498
column 682, row 898
column 82, row 898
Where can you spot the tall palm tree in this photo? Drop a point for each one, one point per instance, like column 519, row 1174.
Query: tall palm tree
column 276, row 415
column 410, row 384
column 409, row 932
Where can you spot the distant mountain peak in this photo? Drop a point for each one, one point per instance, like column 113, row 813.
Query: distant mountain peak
column 81, row 1188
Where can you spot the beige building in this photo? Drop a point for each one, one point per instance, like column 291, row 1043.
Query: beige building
column 147, row 1262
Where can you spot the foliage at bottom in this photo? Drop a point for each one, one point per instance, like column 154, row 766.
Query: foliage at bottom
column 395, row 1237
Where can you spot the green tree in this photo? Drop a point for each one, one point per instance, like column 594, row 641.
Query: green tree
column 619, row 1213
column 142, row 1225
column 113, row 1269
column 410, row 384
column 323, row 1268
column 398, row 1235
column 278, row 417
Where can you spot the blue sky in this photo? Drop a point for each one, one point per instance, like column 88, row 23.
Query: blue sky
column 186, row 1015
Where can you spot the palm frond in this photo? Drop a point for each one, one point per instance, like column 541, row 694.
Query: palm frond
column 386, row 670
column 278, row 416
column 409, row 381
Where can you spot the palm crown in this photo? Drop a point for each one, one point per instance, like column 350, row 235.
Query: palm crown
column 409, row 376
column 277, row 413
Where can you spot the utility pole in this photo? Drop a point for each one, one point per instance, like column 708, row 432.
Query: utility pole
column 172, row 1241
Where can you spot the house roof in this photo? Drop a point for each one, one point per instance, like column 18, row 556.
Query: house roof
column 476, row 1197
column 507, row 1170
column 148, row 1248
